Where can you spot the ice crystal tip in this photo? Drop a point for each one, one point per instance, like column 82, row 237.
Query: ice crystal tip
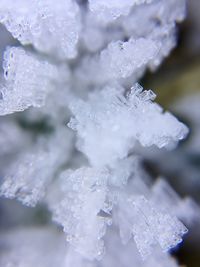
column 119, row 121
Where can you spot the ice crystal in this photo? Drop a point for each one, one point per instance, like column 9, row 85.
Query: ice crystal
column 74, row 73
column 46, row 248
column 27, row 80
column 35, row 168
column 51, row 28
column 84, row 195
column 111, row 10
column 119, row 121
column 158, row 228
column 119, row 60
column 97, row 195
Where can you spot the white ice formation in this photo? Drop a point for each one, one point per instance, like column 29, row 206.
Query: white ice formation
column 45, row 247
column 27, row 80
column 75, row 116
column 52, row 28
column 118, row 121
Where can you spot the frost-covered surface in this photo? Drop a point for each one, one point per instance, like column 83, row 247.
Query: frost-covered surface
column 183, row 162
column 51, row 28
column 27, row 80
column 35, row 168
column 119, row 121
column 75, row 118
column 46, row 247
column 105, row 197
column 111, row 10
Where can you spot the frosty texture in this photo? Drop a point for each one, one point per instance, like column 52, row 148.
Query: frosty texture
column 51, row 27
column 149, row 227
column 27, row 80
column 111, row 10
column 118, row 61
column 79, row 117
column 98, row 196
column 84, row 196
column 28, row 177
column 36, row 248
column 119, row 121
column 45, row 247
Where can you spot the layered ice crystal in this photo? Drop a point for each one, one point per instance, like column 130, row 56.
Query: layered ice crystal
column 119, row 121
column 52, row 28
column 28, row 177
column 111, row 10
column 27, row 81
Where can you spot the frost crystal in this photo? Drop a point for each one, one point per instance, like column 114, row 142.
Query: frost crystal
column 150, row 227
column 120, row 121
column 111, row 10
column 84, row 195
column 45, row 247
column 51, row 28
column 75, row 146
column 98, row 196
column 27, row 80
column 119, row 60
column 28, row 177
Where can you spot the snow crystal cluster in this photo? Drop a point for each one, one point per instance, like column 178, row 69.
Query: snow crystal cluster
column 75, row 117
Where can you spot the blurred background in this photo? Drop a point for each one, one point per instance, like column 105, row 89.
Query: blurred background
column 177, row 85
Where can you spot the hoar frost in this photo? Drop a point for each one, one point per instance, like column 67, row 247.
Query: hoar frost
column 76, row 118
column 118, row 122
